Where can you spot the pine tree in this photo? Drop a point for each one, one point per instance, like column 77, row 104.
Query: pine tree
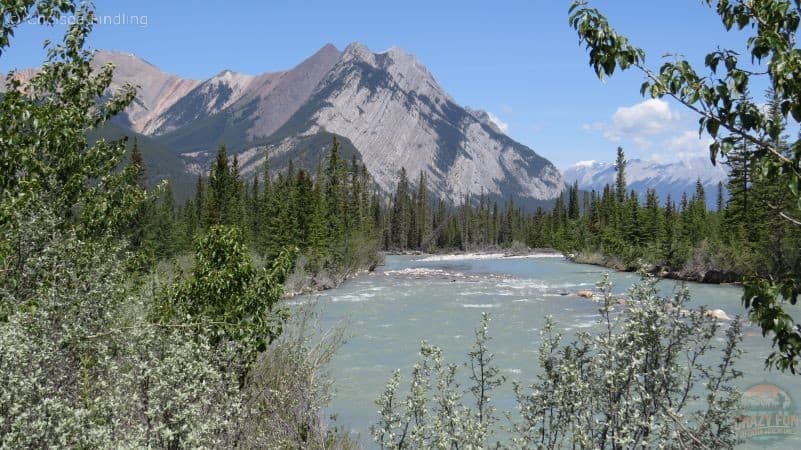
column 138, row 223
column 652, row 226
column 573, row 209
column 399, row 218
column 219, row 189
column 425, row 226
column 620, row 183
column 161, row 227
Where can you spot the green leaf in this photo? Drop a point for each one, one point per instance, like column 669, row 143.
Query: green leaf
column 712, row 126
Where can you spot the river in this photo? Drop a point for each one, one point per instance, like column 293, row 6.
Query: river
column 440, row 299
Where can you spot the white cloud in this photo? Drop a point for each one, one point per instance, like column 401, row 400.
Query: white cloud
column 637, row 122
column 688, row 145
column 504, row 127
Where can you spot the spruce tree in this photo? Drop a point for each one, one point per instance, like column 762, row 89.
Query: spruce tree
column 620, row 181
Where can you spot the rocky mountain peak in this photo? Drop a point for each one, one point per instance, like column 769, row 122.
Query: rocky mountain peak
column 157, row 90
column 386, row 107
column 395, row 114
column 358, row 51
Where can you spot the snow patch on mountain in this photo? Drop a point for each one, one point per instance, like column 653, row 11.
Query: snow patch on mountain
column 672, row 179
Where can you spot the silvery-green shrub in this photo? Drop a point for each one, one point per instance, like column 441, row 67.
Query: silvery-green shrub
column 81, row 368
column 654, row 375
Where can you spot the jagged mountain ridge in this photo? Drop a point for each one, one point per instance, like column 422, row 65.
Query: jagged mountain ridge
column 386, row 108
column 395, row 113
column 674, row 179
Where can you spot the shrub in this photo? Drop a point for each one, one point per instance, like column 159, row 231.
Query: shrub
column 288, row 387
column 651, row 377
column 79, row 365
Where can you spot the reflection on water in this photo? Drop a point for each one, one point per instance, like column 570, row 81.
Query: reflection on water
column 441, row 300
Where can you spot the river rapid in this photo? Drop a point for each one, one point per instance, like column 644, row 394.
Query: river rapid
column 440, row 299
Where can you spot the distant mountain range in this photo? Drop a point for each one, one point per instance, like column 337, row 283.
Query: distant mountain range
column 386, row 108
column 672, row 179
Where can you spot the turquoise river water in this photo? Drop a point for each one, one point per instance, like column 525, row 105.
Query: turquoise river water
column 440, row 299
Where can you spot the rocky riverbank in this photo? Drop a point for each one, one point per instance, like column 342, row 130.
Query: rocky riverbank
column 302, row 282
column 697, row 273
column 486, row 253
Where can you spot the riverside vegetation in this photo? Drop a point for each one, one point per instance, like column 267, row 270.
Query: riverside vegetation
column 98, row 347
column 126, row 321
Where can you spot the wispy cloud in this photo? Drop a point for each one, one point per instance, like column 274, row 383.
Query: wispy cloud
column 688, row 145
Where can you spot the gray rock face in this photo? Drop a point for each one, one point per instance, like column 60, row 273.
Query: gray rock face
column 395, row 113
column 387, row 108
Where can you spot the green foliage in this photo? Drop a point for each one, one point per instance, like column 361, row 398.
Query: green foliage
column 82, row 363
column 226, row 297
column 17, row 13
column 739, row 127
column 80, row 368
column 44, row 155
column 326, row 217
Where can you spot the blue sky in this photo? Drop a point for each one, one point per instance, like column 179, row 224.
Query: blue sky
column 519, row 60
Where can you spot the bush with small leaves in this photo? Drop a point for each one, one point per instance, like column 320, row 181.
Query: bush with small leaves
column 434, row 413
column 81, row 367
column 288, row 387
column 651, row 377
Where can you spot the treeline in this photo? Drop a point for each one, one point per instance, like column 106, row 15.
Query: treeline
column 745, row 236
column 339, row 220
column 614, row 227
column 613, row 220
column 414, row 221
column 331, row 218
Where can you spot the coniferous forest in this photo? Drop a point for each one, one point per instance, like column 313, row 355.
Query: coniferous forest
column 330, row 219
column 339, row 220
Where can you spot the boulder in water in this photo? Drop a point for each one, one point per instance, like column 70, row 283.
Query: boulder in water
column 584, row 294
column 718, row 314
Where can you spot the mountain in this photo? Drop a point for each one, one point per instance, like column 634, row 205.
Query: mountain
column 386, row 108
column 393, row 111
column 157, row 91
column 161, row 163
column 672, row 179
column 242, row 108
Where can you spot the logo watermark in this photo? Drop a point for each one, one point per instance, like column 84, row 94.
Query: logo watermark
column 768, row 414
column 121, row 19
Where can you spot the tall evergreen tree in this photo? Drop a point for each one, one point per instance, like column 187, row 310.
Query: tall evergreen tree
column 620, row 181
